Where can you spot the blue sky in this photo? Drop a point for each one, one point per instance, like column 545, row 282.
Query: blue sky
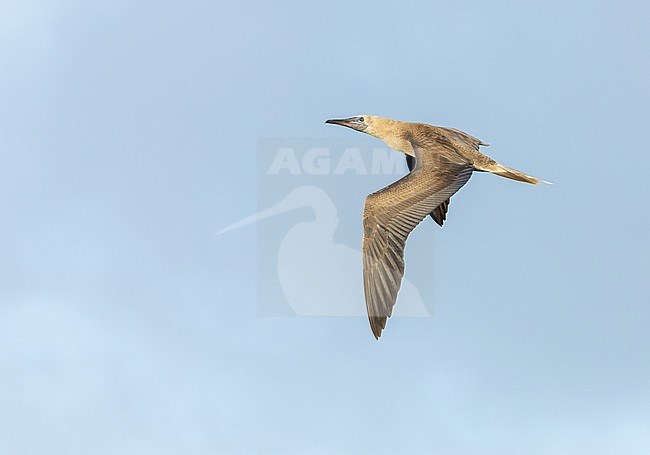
column 129, row 137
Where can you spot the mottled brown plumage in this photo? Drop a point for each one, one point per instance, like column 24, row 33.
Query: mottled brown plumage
column 441, row 160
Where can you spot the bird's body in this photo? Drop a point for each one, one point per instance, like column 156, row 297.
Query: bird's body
column 441, row 161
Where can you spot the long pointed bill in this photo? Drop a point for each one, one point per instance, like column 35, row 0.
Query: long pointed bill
column 340, row 121
column 284, row 205
column 351, row 122
column 355, row 123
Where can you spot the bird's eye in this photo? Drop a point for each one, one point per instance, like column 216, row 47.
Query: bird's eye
column 361, row 119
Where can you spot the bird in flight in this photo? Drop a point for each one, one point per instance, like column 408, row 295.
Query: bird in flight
column 441, row 160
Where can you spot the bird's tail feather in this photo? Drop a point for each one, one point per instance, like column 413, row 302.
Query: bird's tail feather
column 508, row 172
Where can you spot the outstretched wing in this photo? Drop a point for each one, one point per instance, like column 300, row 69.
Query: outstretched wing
column 392, row 213
column 439, row 214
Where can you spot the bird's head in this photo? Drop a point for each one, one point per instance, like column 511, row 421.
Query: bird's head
column 363, row 123
column 388, row 130
column 370, row 124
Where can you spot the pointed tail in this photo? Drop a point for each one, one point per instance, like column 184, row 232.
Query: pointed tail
column 510, row 173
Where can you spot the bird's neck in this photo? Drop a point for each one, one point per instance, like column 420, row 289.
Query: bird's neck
column 395, row 135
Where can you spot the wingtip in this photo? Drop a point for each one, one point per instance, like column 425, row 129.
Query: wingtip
column 377, row 327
